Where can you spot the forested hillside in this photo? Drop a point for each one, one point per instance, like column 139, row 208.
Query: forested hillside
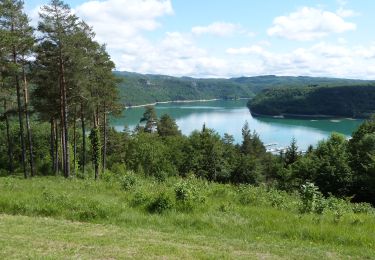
column 136, row 89
column 344, row 101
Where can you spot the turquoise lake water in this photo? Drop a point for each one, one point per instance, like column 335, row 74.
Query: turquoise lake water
column 230, row 116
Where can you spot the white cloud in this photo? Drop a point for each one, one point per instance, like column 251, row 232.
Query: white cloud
column 221, row 29
column 176, row 54
column 344, row 13
column 253, row 49
column 117, row 21
column 308, row 24
column 321, row 59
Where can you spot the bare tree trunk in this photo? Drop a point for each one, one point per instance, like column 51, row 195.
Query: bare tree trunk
column 9, row 140
column 28, row 128
column 52, row 144
column 65, row 118
column 96, row 144
column 20, row 117
column 83, row 139
column 62, row 149
column 63, row 152
column 104, row 139
column 74, row 141
column 56, row 148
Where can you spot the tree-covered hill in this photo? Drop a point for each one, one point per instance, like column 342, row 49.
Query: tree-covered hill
column 357, row 101
column 137, row 89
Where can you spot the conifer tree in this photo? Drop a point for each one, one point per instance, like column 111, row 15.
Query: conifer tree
column 58, row 26
column 17, row 40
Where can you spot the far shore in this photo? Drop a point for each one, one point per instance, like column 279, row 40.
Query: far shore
column 181, row 101
column 302, row 116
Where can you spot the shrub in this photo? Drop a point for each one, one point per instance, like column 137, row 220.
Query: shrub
column 312, row 199
column 187, row 195
column 128, row 181
column 277, row 199
column 365, row 208
column 248, row 195
column 107, row 176
column 119, row 169
column 184, row 191
column 161, row 176
column 139, row 199
column 160, row 204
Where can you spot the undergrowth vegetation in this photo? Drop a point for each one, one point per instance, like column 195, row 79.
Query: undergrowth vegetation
column 193, row 204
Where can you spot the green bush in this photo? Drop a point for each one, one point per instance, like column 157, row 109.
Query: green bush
column 139, row 199
column 365, row 208
column 312, row 199
column 187, row 195
column 128, row 181
column 161, row 203
column 119, row 169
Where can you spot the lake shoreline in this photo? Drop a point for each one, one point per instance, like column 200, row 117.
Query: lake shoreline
column 181, row 101
column 301, row 116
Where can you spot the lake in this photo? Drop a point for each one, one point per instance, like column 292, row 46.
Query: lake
column 229, row 117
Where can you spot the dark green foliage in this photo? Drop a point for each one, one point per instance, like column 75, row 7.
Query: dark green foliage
column 347, row 101
column 251, row 143
column 362, row 161
column 150, row 118
column 327, row 166
column 167, row 126
column 291, row 153
column 160, row 204
column 149, row 155
column 247, row 170
column 95, row 149
column 128, row 181
column 333, row 174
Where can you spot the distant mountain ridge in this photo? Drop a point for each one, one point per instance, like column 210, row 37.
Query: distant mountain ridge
column 138, row 89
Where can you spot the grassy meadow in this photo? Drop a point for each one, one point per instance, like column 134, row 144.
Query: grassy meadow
column 138, row 217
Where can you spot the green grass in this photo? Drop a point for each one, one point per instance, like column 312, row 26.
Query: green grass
column 88, row 219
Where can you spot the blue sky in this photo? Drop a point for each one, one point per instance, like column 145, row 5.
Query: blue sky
column 226, row 38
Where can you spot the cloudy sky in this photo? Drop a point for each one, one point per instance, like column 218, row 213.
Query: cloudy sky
column 226, row 38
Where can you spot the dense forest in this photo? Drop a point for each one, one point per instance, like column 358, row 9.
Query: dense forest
column 62, row 81
column 138, row 89
column 356, row 101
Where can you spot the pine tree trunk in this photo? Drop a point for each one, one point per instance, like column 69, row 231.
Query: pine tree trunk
column 52, row 144
column 96, row 147
column 56, row 148
column 62, row 135
column 62, row 149
column 20, row 117
column 9, row 140
column 104, row 139
column 74, row 141
column 28, row 128
column 83, row 139
column 65, row 125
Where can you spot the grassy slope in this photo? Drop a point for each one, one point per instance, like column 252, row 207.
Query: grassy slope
column 225, row 226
